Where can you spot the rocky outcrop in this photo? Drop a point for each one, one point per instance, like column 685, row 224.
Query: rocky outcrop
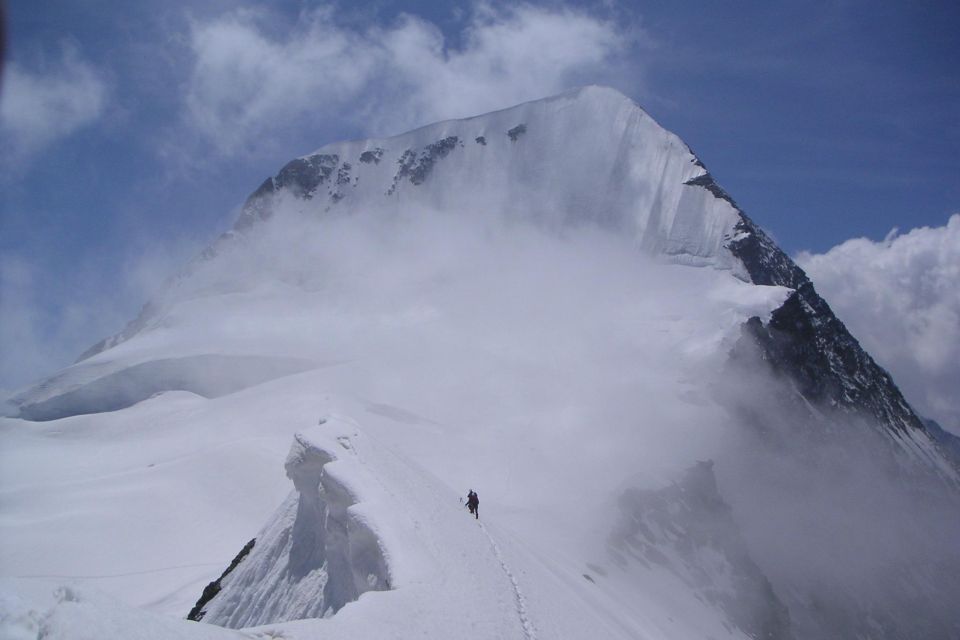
column 212, row 589
column 806, row 342
column 415, row 166
column 301, row 177
column 515, row 133
column 373, row 156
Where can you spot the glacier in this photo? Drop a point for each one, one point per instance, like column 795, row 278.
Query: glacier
column 554, row 304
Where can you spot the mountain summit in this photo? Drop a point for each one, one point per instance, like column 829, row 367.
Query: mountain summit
column 554, row 304
column 587, row 157
column 538, row 161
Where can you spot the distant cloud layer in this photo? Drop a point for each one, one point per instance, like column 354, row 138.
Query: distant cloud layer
column 48, row 318
column 250, row 78
column 901, row 299
column 30, row 346
column 39, row 106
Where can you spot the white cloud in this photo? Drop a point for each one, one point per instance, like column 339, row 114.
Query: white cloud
column 247, row 82
column 39, row 107
column 901, row 299
column 27, row 351
column 506, row 58
column 48, row 318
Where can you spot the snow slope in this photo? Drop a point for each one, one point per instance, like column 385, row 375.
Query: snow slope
column 539, row 304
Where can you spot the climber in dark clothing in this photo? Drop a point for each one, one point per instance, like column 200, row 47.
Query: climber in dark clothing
column 473, row 503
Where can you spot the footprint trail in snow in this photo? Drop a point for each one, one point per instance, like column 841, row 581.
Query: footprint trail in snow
column 529, row 631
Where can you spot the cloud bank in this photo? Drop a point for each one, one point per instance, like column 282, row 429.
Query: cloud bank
column 39, row 107
column 248, row 81
column 901, row 299
column 48, row 318
column 32, row 337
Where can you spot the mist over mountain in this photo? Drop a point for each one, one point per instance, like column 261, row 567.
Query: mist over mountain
column 555, row 304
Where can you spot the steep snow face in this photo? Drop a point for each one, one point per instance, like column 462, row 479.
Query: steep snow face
column 590, row 156
column 313, row 558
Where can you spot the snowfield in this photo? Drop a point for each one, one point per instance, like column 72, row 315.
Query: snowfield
column 545, row 317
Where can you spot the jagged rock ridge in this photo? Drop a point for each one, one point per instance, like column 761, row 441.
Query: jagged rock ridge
column 211, row 590
column 805, row 341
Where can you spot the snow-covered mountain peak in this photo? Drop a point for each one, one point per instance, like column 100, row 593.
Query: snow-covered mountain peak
column 588, row 156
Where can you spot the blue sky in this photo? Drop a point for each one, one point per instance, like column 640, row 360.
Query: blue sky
column 132, row 131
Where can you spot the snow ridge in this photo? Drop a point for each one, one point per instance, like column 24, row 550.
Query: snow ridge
column 312, row 558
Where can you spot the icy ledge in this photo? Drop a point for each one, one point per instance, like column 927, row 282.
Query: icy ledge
column 314, row 556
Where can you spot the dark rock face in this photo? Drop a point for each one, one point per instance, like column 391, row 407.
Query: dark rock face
column 257, row 206
column 372, row 156
column 805, row 342
column 429, row 156
column 406, row 161
column 303, row 175
column 676, row 527
column 763, row 259
column 416, row 167
column 707, row 182
column 343, row 173
column 480, row 140
column 515, row 133
column 211, row 590
column 266, row 188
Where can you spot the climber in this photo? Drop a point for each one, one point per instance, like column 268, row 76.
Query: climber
column 473, row 504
